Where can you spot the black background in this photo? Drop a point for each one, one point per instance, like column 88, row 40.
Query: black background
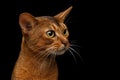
column 87, row 24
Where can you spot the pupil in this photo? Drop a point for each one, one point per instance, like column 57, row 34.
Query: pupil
column 64, row 31
column 50, row 33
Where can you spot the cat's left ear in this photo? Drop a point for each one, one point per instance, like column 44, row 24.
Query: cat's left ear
column 62, row 16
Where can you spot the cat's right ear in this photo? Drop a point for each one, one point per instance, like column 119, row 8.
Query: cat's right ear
column 27, row 22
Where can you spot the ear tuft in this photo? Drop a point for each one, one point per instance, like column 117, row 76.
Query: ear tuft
column 62, row 16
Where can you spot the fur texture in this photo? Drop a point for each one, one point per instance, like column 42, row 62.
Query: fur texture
column 43, row 38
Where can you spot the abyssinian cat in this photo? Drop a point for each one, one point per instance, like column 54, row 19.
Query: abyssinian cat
column 43, row 38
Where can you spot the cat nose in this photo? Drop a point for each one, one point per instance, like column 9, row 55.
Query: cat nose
column 65, row 42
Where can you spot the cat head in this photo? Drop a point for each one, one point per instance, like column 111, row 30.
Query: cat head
column 45, row 34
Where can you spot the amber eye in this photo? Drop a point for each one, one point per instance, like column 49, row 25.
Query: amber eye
column 65, row 32
column 50, row 33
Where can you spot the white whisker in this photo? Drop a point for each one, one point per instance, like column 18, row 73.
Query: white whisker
column 74, row 41
column 72, row 55
column 75, row 52
column 74, row 45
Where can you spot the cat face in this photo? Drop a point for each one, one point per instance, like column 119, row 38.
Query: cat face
column 45, row 34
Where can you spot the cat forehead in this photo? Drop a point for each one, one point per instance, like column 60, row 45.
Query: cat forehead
column 48, row 20
column 51, row 23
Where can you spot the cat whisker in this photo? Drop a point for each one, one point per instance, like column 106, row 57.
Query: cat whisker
column 40, row 56
column 73, row 55
column 36, row 56
column 74, row 41
column 51, row 58
column 45, row 57
column 76, row 52
column 74, row 45
column 51, row 52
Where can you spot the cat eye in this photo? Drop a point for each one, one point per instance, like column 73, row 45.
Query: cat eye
column 65, row 32
column 50, row 33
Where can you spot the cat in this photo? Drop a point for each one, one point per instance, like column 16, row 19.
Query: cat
column 43, row 39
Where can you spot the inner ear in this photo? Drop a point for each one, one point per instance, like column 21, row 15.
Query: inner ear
column 27, row 25
column 27, row 22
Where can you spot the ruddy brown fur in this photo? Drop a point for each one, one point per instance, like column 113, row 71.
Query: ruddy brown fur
column 43, row 38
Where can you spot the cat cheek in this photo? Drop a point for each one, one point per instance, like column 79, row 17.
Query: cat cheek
column 49, row 42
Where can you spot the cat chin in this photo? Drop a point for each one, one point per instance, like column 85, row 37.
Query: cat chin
column 61, row 52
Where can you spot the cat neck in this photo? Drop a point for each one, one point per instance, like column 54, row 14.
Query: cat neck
column 42, row 68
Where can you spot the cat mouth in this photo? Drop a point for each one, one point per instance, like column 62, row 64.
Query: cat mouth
column 61, row 51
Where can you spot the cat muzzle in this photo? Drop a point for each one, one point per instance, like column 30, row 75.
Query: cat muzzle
column 62, row 50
